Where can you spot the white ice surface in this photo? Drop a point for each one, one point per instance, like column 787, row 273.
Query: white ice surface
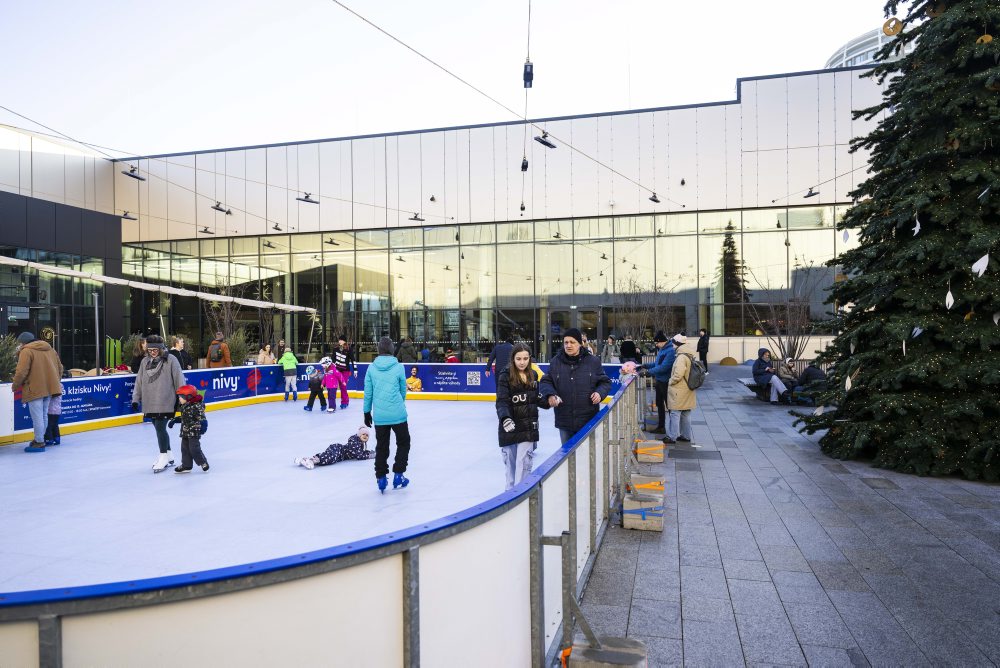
column 91, row 511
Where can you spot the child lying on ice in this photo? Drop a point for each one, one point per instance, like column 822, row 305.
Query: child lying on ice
column 353, row 449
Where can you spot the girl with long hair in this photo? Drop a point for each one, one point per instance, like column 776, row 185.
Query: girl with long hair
column 517, row 406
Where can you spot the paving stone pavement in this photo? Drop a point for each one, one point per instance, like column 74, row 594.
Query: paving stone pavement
column 776, row 554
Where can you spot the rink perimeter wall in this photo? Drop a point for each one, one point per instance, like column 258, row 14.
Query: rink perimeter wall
column 105, row 401
column 483, row 586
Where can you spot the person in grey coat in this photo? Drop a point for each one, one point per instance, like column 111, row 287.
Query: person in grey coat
column 156, row 385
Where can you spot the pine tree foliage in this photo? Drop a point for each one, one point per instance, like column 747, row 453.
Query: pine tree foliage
column 732, row 284
column 933, row 406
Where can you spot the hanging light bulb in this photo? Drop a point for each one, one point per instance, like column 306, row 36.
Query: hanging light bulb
column 524, row 164
column 529, row 73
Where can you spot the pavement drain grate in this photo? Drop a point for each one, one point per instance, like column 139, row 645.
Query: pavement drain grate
column 687, row 466
column 880, row 483
column 835, row 467
column 693, row 454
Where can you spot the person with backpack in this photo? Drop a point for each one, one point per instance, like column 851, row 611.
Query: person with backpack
column 218, row 353
column 686, row 376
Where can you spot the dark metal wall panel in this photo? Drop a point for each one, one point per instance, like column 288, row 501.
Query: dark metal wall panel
column 41, row 225
column 68, row 233
column 13, row 219
column 95, row 234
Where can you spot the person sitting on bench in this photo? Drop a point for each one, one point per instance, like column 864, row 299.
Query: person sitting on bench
column 763, row 374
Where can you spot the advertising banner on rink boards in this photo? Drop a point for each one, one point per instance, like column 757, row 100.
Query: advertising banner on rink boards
column 111, row 396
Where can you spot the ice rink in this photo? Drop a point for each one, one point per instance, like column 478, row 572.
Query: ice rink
column 91, row 510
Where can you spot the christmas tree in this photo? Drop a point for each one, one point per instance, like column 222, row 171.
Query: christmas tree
column 916, row 381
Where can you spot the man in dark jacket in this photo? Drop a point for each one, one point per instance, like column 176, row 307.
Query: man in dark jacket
column 500, row 355
column 764, row 374
column 703, row 348
column 660, row 370
column 575, row 385
column 407, row 353
column 627, row 351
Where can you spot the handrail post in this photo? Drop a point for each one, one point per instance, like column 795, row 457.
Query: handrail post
column 536, row 587
column 592, row 502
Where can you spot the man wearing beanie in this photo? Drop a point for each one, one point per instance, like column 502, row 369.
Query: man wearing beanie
column 660, row 369
column 37, row 376
column 575, row 385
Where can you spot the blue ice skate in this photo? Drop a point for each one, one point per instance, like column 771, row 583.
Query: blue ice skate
column 307, row 408
column 399, row 481
column 383, row 482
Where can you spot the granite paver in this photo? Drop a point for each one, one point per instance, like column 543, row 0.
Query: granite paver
column 776, row 554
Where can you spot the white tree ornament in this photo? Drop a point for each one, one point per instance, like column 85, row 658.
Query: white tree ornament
column 847, row 235
column 916, row 332
column 996, row 318
column 949, row 300
column 819, row 410
column 847, row 383
column 916, row 228
column 904, row 347
column 852, row 347
column 979, row 268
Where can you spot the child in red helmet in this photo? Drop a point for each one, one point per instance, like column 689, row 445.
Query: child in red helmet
column 193, row 425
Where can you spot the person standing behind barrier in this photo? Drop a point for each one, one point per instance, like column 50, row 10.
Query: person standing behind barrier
column 703, row 348
column 218, row 353
column 343, row 361
column 138, row 354
column 183, row 358
column 575, row 385
column 289, row 363
column 265, row 356
column 37, row 376
column 628, row 351
column 611, row 353
column 517, row 408
column 385, row 396
column 501, row 356
column 681, row 398
column 660, row 370
column 407, row 353
column 156, row 387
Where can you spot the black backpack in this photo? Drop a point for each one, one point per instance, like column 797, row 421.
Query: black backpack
column 215, row 352
column 696, row 376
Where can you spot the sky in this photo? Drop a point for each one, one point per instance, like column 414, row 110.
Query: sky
column 149, row 78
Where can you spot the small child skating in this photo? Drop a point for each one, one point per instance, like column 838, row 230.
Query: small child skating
column 336, row 452
column 331, row 380
column 193, row 425
column 52, row 436
column 316, row 385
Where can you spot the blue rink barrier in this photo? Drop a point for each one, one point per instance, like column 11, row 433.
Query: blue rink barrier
column 433, row 588
column 109, row 397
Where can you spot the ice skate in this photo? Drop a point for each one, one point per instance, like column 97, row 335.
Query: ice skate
column 204, row 467
column 162, row 463
column 343, row 406
column 35, row 446
column 286, row 396
column 399, row 481
column 331, row 409
column 383, row 482
column 181, row 469
column 307, row 408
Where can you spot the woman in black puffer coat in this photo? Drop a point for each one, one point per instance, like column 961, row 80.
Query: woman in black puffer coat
column 517, row 408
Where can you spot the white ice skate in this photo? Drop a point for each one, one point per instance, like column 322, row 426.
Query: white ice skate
column 163, row 463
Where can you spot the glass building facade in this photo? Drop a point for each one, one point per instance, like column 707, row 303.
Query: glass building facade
column 466, row 286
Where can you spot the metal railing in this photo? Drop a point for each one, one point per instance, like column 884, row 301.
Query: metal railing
column 442, row 593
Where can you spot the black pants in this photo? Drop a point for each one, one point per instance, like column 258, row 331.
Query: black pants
column 661, row 403
column 317, row 393
column 703, row 356
column 191, row 449
column 402, row 431
column 52, row 431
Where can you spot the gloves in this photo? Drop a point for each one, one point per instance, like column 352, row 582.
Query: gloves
column 368, row 419
column 171, row 423
column 508, row 425
column 204, row 425
column 135, row 406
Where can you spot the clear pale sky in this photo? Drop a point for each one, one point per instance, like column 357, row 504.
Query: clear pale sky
column 188, row 75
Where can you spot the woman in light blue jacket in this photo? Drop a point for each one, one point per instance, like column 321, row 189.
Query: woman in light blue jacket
column 385, row 393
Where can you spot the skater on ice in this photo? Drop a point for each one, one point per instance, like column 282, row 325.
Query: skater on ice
column 517, row 407
column 316, row 378
column 385, row 395
column 193, row 425
column 331, row 381
column 343, row 360
column 289, row 362
column 156, row 386
column 355, row 448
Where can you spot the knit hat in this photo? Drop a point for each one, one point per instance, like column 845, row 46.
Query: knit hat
column 385, row 346
column 155, row 341
column 659, row 337
column 363, row 431
column 25, row 337
column 574, row 333
column 680, row 339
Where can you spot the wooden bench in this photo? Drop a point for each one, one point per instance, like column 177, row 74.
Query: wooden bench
column 762, row 392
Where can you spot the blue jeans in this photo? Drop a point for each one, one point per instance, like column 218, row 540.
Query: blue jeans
column 680, row 424
column 566, row 434
column 39, row 411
